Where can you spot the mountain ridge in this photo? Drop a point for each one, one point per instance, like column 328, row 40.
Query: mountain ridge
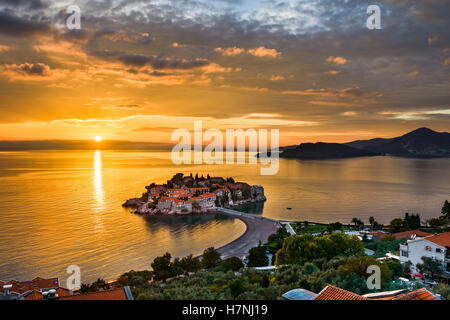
column 419, row 143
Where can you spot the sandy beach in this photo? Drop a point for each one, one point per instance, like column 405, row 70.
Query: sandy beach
column 257, row 230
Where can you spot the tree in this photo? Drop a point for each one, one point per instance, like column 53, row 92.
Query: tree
column 395, row 267
column 388, row 238
column 444, row 291
column 437, row 222
column 336, row 225
column 211, row 258
column 446, row 210
column 371, row 221
column 162, row 268
column 190, row 263
column 275, row 240
column 407, row 271
column 257, row 257
column 430, row 266
column 412, row 221
column 397, row 225
column 231, row 264
column 358, row 266
column 298, row 249
column 126, row 278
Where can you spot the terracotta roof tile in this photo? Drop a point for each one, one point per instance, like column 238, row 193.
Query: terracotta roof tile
column 34, row 295
column 334, row 293
column 35, row 284
column 409, row 233
column 442, row 239
column 115, row 294
column 421, row 294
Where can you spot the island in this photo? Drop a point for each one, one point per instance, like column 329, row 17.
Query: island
column 193, row 194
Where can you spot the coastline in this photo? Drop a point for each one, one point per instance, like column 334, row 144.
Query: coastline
column 256, row 230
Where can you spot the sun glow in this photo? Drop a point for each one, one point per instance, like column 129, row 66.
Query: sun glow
column 98, row 138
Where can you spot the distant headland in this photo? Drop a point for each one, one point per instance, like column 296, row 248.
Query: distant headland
column 193, row 194
column 420, row 143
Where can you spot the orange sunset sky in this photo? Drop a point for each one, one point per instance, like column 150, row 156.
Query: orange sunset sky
column 137, row 70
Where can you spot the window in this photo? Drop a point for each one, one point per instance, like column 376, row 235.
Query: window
column 428, row 248
column 404, row 253
column 438, row 250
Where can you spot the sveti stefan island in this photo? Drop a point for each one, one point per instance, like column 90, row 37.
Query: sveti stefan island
column 225, row 158
column 185, row 195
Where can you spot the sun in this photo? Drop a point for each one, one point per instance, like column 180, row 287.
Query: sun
column 98, row 138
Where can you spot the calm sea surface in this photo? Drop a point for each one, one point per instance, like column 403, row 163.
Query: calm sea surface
column 59, row 208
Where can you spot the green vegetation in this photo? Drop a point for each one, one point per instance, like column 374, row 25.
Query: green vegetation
column 298, row 249
column 211, row 258
column 446, row 210
column 389, row 238
column 257, row 257
column 275, row 241
column 303, row 260
column 444, row 290
column 230, row 264
column 346, row 272
column 94, row 286
column 383, row 247
column 430, row 267
column 410, row 222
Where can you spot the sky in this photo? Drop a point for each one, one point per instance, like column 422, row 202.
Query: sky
column 137, row 70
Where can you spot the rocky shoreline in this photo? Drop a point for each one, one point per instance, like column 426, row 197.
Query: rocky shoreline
column 184, row 195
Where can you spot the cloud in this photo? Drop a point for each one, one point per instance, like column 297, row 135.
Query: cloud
column 261, row 52
column 31, row 71
column 416, row 115
column 447, row 62
column 349, row 114
column 337, row 60
column 354, row 93
column 4, row 48
column 178, row 45
column 333, row 72
column 216, row 68
column 276, row 78
column 433, row 39
column 413, row 74
column 157, row 62
column 234, row 51
column 14, row 26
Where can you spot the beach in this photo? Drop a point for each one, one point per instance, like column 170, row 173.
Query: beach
column 257, row 230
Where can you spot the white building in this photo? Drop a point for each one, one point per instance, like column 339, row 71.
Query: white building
column 435, row 246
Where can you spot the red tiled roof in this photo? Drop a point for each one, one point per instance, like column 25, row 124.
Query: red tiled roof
column 441, row 239
column 34, row 295
column 380, row 235
column 35, row 284
column 334, row 293
column 208, row 195
column 421, row 294
column 115, row 294
column 63, row 292
column 409, row 233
